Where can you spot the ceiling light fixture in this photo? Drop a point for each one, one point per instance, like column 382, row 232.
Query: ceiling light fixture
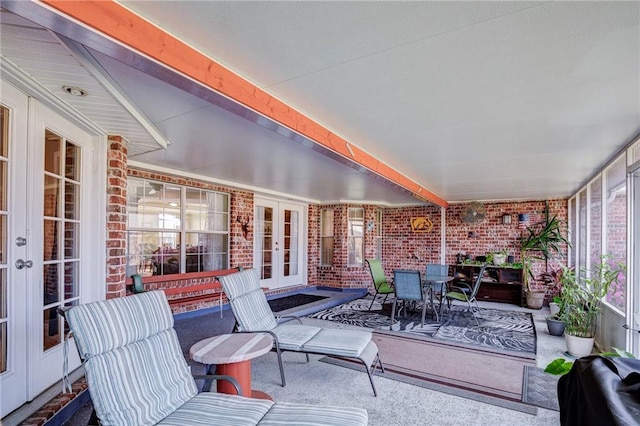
column 74, row 91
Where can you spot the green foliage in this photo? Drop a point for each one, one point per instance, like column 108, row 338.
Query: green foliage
column 561, row 366
column 582, row 295
column 541, row 241
column 558, row 366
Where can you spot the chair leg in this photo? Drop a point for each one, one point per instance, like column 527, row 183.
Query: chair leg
column 472, row 313
column 424, row 312
column 393, row 311
column 369, row 373
column 374, row 299
column 279, row 353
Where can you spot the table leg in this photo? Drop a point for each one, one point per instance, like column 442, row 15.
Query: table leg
column 241, row 371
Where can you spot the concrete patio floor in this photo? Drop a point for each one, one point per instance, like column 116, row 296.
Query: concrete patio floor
column 321, row 383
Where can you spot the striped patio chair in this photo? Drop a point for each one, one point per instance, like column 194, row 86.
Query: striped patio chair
column 137, row 373
column 253, row 314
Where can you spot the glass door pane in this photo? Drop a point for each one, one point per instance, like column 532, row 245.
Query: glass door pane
column 61, row 220
column 264, row 241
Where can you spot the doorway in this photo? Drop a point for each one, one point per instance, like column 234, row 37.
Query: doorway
column 45, row 194
column 279, row 243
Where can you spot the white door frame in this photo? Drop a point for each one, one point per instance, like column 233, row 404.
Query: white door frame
column 13, row 381
column 279, row 279
column 25, row 296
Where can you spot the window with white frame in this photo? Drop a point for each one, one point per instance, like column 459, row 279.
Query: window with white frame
column 326, row 237
column 616, row 227
column 355, row 236
column 175, row 229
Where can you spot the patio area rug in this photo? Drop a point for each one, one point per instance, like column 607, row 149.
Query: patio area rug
column 540, row 388
column 475, row 373
column 500, row 330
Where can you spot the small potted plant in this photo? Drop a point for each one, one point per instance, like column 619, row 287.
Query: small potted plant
column 499, row 257
column 582, row 294
column 553, row 278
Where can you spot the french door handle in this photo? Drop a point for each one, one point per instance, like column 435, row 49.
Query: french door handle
column 21, row 264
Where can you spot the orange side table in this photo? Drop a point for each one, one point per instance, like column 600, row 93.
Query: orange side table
column 232, row 354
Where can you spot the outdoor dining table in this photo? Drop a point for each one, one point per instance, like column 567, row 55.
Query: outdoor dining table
column 430, row 282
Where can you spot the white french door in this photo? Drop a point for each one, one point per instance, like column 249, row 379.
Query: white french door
column 45, row 168
column 279, row 243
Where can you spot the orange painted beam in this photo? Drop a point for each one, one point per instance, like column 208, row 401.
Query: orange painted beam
column 117, row 22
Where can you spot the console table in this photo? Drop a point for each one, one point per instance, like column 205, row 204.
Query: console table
column 505, row 283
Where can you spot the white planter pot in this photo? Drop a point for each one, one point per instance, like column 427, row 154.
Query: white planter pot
column 579, row 346
column 499, row 259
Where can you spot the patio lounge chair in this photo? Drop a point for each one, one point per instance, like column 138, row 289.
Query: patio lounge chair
column 253, row 314
column 137, row 374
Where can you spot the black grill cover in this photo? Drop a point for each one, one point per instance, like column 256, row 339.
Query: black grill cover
column 600, row 391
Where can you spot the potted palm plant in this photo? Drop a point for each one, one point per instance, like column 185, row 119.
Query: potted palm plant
column 582, row 294
column 540, row 242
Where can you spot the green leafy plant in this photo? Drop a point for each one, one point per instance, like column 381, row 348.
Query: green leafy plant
column 582, row 295
column 560, row 366
column 541, row 241
column 553, row 279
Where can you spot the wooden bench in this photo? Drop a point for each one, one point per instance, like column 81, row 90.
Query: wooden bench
column 186, row 292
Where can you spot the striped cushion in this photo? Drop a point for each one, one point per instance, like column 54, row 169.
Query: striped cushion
column 240, row 283
column 283, row 413
column 103, row 326
column 348, row 343
column 135, row 371
column 219, row 409
column 292, row 337
column 252, row 312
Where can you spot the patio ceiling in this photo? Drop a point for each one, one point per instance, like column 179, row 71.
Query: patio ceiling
column 469, row 100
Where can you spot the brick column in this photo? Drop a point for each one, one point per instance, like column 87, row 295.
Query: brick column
column 116, row 216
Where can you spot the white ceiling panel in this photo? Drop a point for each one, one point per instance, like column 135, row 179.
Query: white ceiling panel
column 472, row 100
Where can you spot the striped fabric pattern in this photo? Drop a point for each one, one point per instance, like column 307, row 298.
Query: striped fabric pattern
column 220, row 410
column 252, row 312
column 348, row 343
column 293, row 337
column 240, row 283
column 103, row 326
column 134, row 366
column 284, row 413
column 231, row 348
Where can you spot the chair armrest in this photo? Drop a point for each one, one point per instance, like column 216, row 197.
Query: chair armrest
column 288, row 318
column 229, row 379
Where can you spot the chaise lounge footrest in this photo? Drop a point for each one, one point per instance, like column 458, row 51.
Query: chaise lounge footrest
column 345, row 343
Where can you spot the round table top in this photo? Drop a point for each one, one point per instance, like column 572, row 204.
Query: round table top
column 230, row 348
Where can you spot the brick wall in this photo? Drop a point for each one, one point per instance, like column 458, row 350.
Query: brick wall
column 116, row 216
column 404, row 249
column 401, row 247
